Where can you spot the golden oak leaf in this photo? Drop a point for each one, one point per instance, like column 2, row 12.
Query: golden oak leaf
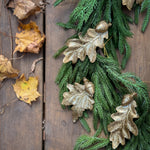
column 80, row 96
column 123, row 121
column 23, row 8
column 6, row 69
column 129, row 3
column 30, row 39
column 26, row 90
column 86, row 45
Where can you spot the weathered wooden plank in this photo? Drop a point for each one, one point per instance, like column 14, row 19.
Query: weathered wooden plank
column 20, row 124
column 61, row 133
column 139, row 63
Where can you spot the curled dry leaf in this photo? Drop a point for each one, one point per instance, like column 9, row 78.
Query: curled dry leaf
column 23, row 8
column 34, row 64
column 30, row 39
column 26, row 90
column 79, row 48
column 123, row 121
column 129, row 3
column 80, row 96
column 6, row 69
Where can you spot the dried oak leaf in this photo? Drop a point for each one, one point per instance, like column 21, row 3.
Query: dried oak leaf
column 23, row 8
column 6, row 69
column 123, row 121
column 30, row 39
column 80, row 96
column 86, row 45
column 129, row 3
column 26, row 90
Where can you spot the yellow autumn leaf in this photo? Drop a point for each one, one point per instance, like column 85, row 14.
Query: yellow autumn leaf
column 6, row 69
column 30, row 39
column 26, row 90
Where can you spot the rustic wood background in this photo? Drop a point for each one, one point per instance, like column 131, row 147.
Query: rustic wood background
column 44, row 125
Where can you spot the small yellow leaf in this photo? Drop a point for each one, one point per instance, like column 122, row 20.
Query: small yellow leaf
column 6, row 69
column 26, row 90
column 30, row 39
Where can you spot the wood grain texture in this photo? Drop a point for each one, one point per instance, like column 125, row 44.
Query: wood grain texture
column 20, row 124
column 61, row 133
column 139, row 62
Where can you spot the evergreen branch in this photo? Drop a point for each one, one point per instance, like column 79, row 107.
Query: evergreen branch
column 110, row 84
column 93, row 143
column 146, row 19
column 57, row 2
column 95, row 118
column 145, row 5
column 66, row 25
column 108, row 11
column 136, row 14
column 61, row 50
column 62, row 72
column 126, row 56
column 85, row 124
column 99, row 145
column 110, row 87
column 85, row 114
column 88, row 13
column 98, row 131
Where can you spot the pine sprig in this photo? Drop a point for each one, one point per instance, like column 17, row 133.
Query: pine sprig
column 110, row 84
column 110, row 87
column 85, row 124
column 57, row 2
column 145, row 7
column 89, row 12
column 90, row 143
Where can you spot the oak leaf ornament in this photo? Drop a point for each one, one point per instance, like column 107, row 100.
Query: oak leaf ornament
column 123, row 121
column 87, row 44
column 80, row 97
column 129, row 3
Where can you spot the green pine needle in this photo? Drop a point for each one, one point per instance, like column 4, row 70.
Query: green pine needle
column 57, row 2
column 61, row 50
column 85, row 124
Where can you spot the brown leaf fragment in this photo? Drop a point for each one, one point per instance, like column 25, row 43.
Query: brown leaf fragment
column 123, row 121
column 86, row 45
column 129, row 3
column 26, row 90
column 23, row 8
column 30, row 39
column 80, row 96
column 6, row 69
